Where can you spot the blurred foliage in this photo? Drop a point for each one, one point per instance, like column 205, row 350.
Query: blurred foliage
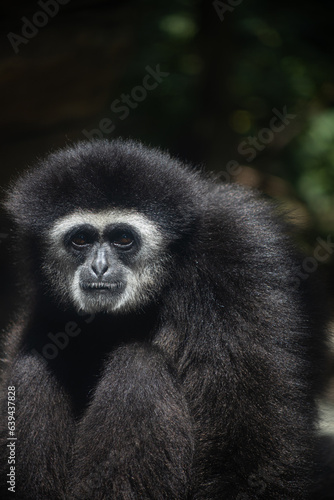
column 166, row 35
column 225, row 79
column 286, row 60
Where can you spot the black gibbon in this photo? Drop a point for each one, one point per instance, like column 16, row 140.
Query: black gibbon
column 162, row 349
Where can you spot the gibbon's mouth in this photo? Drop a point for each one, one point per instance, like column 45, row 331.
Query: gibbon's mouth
column 100, row 286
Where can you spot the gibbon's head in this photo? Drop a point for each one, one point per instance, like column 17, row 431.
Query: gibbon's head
column 106, row 261
column 103, row 221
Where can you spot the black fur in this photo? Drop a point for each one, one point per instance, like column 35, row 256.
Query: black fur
column 206, row 393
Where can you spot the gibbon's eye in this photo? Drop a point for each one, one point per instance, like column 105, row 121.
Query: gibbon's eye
column 80, row 240
column 123, row 240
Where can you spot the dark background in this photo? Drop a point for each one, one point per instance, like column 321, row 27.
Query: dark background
column 228, row 66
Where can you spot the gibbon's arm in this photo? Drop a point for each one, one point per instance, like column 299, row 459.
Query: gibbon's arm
column 44, row 431
column 136, row 438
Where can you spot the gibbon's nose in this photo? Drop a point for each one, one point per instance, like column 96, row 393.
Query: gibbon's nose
column 100, row 263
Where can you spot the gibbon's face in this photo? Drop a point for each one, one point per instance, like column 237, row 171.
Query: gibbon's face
column 109, row 261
